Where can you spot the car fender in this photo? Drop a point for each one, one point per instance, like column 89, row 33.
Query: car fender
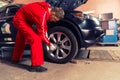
column 72, row 26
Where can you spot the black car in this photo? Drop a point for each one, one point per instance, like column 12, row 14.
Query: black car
column 7, row 30
column 69, row 35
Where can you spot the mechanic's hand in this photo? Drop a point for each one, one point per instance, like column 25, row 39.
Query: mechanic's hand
column 52, row 47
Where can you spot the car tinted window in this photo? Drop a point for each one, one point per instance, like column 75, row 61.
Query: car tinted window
column 2, row 11
column 2, row 8
column 11, row 11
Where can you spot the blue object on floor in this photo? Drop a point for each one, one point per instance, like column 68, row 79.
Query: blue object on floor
column 110, row 27
column 110, row 38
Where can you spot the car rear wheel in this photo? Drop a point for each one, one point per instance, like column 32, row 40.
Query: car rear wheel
column 66, row 45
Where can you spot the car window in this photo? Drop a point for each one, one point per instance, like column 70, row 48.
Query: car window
column 2, row 11
column 2, row 4
column 11, row 11
column 8, row 12
column 2, row 8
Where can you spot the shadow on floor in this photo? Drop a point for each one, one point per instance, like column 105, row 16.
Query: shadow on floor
column 24, row 64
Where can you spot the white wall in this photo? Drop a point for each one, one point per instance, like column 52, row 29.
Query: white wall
column 102, row 6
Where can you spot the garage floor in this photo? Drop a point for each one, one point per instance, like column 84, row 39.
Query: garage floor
column 102, row 63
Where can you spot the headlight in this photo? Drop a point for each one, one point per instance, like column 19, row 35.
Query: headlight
column 79, row 15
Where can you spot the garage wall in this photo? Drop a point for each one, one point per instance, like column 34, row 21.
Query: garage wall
column 102, row 6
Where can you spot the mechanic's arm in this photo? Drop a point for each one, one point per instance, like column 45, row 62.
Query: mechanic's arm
column 42, row 31
column 42, row 28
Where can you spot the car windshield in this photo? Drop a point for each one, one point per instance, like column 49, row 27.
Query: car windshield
column 2, row 8
column 2, row 4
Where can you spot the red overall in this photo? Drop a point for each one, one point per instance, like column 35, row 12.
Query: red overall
column 35, row 13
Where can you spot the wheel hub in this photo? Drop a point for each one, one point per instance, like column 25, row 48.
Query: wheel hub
column 62, row 43
column 59, row 44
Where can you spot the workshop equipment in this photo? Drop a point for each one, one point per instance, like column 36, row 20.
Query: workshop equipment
column 110, row 26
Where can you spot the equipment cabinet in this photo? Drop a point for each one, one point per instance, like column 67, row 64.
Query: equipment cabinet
column 111, row 33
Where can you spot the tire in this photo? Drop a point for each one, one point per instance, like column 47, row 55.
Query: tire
column 66, row 43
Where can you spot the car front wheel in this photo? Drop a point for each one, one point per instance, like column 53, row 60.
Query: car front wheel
column 65, row 42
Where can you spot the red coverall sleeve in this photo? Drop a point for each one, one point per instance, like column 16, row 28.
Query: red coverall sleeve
column 42, row 28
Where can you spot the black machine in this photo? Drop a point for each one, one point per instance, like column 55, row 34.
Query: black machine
column 77, row 30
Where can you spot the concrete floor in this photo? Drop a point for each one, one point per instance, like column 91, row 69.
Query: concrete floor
column 85, row 69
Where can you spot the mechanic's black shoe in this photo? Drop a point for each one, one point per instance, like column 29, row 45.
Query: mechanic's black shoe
column 37, row 69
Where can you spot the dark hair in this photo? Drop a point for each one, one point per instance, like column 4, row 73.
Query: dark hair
column 59, row 12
